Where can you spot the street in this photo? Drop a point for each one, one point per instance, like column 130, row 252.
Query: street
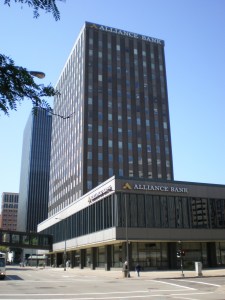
column 50, row 283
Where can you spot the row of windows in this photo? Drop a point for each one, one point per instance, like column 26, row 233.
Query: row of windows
column 6, row 205
column 25, row 239
column 145, row 211
column 10, row 197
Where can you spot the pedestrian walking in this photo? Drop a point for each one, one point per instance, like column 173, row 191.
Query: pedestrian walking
column 138, row 269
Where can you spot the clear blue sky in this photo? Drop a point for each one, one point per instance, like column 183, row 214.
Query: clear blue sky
column 194, row 34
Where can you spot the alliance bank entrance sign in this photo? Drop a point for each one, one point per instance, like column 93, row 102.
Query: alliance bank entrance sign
column 154, row 188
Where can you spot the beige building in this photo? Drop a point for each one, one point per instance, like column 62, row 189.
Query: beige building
column 8, row 219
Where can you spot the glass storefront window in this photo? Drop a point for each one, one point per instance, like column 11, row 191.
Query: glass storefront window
column 100, row 257
column 15, row 238
column 6, row 237
column 193, row 252
column 150, row 255
column 25, row 239
column 77, row 258
column 88, row 258
column 116, row 256
column 220, row 253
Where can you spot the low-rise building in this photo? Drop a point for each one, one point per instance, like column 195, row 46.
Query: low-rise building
column 142, row 221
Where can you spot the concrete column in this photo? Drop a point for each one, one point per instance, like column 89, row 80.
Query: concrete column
column 82, row 258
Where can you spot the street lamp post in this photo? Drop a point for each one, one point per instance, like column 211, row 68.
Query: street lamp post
column 127, row 243
column 181, row 258
column 64, row 254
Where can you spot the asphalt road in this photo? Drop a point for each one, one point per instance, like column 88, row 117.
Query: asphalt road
column 36, row 283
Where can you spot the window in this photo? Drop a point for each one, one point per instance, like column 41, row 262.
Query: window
column 100, row 170
column 89, row 184
column 120, row 172
column 110, row 172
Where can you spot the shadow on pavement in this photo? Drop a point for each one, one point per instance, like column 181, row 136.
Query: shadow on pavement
column 12, row 277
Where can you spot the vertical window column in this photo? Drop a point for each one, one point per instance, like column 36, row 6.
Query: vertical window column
column 147, row 112
column 110, row 127
column 100, row 110
column 129, row 116
column 119, row 108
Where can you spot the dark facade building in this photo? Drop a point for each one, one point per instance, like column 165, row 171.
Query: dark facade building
column 112, row 192
column 34, row 176
column 9, row 211
column 115, row 83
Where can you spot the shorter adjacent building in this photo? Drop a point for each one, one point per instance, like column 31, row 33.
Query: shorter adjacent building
column 9, row 210
column 142, row 221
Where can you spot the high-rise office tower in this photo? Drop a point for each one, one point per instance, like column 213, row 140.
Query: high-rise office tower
column 9, row 211
column 35, row 168
column 113, row 87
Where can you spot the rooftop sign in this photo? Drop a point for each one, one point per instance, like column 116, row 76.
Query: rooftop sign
column 126, row 33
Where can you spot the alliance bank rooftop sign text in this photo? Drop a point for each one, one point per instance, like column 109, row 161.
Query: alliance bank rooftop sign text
column 126, row 33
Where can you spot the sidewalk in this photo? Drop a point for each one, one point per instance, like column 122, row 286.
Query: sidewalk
column 118, row 274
